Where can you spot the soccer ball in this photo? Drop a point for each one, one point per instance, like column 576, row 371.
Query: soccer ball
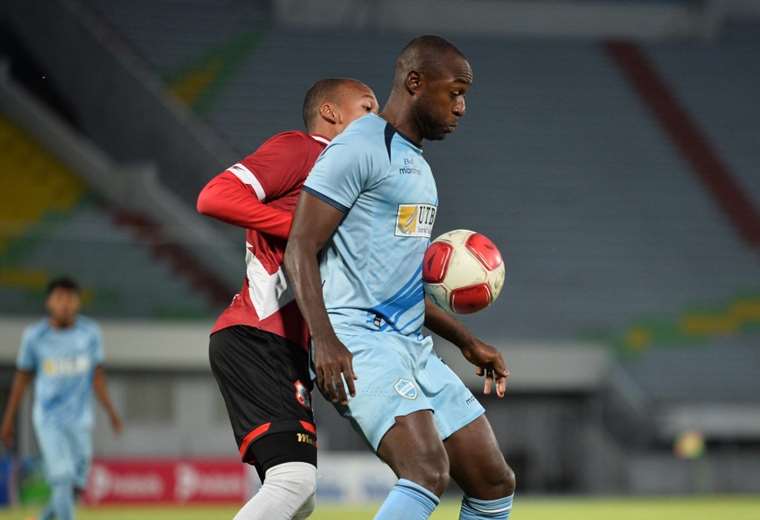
column 463, row 271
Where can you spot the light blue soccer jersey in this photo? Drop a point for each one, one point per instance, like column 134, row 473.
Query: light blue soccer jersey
column 372, row 267
column 63, row 361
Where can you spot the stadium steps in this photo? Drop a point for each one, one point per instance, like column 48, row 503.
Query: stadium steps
column 49, row 224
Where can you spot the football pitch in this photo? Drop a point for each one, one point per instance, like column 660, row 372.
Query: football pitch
column 703, row 508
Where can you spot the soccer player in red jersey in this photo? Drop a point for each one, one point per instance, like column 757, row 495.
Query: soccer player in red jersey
column 258, row 348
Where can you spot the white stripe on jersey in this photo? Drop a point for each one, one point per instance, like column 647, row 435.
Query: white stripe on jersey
column 268, row 292
column 246, row 176
column 320, row 139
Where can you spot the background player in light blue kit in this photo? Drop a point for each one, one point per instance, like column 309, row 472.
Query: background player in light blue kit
column 369, row 206
column 63, row 355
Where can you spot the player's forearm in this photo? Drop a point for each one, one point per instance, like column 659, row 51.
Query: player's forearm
column 101, row 391
column 303, row 271
column 225, row 198
column 20, row 383
column 443, row 324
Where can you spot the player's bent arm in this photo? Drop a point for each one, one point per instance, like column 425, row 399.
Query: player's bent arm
column 21, row 381
column 443, row 324
column 313, row 224
column 227, row 199
column 487, row 359
column 101, row 392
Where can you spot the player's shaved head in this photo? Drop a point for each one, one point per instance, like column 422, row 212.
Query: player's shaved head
column 430, row 55
column 431, row 78
column 328, row 90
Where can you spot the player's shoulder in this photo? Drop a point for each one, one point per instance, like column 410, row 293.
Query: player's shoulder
column 293, row 139
column 87, row 324
column 35, row 330
column 364, row 136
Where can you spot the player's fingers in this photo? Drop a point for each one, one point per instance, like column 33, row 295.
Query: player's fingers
column 321, row 378
column 348, row 373
column 340, row 389
column 478, row 371
column 488, row 384
column 501, row 386
column 328, row 385
column 500, row 367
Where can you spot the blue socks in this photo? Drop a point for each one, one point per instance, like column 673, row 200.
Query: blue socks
column 476, row 509
column 408, row 501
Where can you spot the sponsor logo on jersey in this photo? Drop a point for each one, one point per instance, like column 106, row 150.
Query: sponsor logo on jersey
column 66, row 366
column 415, row 220
column 406, row 389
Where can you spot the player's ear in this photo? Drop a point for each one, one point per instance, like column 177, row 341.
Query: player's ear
column 328, row 112
column 413, row 81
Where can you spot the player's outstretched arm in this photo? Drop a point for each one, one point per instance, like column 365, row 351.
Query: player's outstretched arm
column 101, row 392
column 20, row 383
column 487, row 360
column 314, row 223
column 227, row 199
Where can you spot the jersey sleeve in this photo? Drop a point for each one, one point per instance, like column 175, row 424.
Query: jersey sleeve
column 27, row 356
column 96, row 346
column 340, row 174
column 276, row 167
column 228, row 199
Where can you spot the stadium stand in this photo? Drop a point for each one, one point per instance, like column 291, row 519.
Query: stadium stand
column 52, row 224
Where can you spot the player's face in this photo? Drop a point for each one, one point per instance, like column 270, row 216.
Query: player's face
column 357, row 100
column 63, row 305
column 442, row 100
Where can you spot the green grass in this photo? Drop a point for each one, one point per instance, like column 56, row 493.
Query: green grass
column 703, row 508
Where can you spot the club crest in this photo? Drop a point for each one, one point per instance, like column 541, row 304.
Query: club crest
column 406, row 389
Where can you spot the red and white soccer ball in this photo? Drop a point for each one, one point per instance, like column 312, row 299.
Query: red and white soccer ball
column 463, row 271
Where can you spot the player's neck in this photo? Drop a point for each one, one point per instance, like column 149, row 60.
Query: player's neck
column 61, row 324
column 400, row 117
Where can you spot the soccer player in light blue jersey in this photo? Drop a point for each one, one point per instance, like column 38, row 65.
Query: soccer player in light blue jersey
column 367, row 211
column 63, row 354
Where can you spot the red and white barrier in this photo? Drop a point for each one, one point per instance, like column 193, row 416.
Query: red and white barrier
column 167, row 481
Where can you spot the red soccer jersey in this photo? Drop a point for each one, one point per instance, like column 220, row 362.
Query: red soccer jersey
column 260, row 194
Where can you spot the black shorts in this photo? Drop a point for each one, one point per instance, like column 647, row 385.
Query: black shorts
column 265, row 382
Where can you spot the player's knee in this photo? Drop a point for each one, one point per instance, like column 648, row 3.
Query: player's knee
column 306, row 509
column 430, row 470
column 508, row 482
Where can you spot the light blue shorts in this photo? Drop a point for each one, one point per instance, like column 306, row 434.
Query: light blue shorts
column 66, row 453
column 399, row 375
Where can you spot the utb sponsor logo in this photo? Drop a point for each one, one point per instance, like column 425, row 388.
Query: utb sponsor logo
column 415, row 220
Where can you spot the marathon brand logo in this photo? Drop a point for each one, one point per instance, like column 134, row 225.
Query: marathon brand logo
column 306, row 438
column 415, row 220
column 408, row 168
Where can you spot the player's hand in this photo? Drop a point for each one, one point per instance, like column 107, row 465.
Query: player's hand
column 489, row 363
column 116, row 424
column 8, row 434
column 332, row 363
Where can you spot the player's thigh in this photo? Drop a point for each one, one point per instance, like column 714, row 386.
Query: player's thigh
column 264, row 380
column 57, row 454
column 454, row 405
column 477, row 463
column 413, row 449
column 385, row 387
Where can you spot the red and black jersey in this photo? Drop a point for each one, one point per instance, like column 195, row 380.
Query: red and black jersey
column 260, row 194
